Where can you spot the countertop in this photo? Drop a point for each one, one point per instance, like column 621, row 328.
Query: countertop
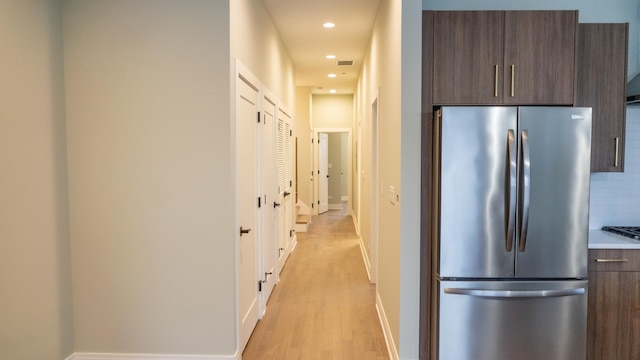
column 599, row 239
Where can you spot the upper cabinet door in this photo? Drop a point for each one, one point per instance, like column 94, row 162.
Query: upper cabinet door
column 601, row 84
column 539, row 57
column 467, row 64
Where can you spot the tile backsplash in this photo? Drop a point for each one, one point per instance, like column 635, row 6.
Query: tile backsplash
column 615, row 197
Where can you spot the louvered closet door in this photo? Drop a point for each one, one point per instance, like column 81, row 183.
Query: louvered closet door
column 282, row 157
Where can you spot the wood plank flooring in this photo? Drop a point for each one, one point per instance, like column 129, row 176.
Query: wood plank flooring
column 324, row 305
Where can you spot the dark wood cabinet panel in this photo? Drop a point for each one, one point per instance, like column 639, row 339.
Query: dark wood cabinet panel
column 498, row 57
column 467, row 48
column 601, row 80
column 613, row 321
column 539, row 57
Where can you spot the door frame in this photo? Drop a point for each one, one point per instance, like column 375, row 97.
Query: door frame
column 375, row 188
column 316, row 165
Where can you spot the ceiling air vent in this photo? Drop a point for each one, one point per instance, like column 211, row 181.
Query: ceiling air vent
column 345, row 62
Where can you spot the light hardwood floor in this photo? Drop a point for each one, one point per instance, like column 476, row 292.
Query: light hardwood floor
column 324, row 305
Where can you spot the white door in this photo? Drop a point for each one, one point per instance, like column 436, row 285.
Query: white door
column 269, row 194
column 246, row 179
column 323, row 160
column 285, row 187
column 282, row 230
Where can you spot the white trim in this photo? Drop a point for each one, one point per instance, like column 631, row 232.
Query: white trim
column 344, row 198
column 365, row 257
column 335, row 207
column 123, row 356
column 356, row 221
column 386, row 329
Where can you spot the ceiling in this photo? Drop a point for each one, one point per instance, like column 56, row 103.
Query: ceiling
column 299, row 23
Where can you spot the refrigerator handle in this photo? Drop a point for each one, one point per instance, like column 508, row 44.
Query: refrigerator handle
column 525, row 190
column 515, row 294
column 511, row 191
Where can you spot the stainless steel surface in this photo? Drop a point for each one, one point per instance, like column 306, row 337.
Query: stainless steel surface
column 558, row 227
column 473, row 177
column 525, row 190
column 514, row 294
column 512, row 190
column 527, row 328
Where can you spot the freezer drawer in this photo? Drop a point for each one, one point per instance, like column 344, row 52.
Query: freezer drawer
column 502, row 320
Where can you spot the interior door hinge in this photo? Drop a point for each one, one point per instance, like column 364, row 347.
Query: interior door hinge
column 259, row 285
column 291, row 233
column 312, row 206
column 318, row 172
column 290, row 132
column 290, row 182
column 258, row 116
column 259, row 202
column 318, row 202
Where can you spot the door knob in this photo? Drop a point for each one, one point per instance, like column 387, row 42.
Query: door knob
column 244, row 231
column 275, row 204
column 286, row 193
column 327, row 176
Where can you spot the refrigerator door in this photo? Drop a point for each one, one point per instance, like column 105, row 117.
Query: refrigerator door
column 491, row 320
column 553, row 211
column 477, row 191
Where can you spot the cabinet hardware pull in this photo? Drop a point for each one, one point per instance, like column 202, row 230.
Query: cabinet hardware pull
column 617, row 152
column 611, row 260
column 513, row 80
column 495, row 85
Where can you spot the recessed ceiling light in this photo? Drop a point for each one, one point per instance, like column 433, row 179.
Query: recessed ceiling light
column 329, row 25
column 333, row 91
column 330, row 56
column 331, row 75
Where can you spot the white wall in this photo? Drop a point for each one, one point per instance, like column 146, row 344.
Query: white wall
column 332, row 111
column 302, row 131
column 148, row 119
column 380, row 77
column 35, row 278
column 590, row 11
column 615, row 197
column 257, row 44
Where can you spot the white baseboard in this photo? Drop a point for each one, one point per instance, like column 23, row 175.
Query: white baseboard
column 345, row 198
column 365, row 258
column 386, row 329
column 120, row 356
column 356, row 221
column 335, row 206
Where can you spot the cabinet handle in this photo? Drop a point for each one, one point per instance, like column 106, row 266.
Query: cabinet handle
column 495, row 85
column 611, row 260
column 513, row 80
column 615, row 163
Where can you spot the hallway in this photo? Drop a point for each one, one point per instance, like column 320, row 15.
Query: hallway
column 324, row 305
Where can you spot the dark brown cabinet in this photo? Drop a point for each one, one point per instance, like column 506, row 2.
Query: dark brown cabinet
column 498, row 57
column 613, row 320
column 601, row 79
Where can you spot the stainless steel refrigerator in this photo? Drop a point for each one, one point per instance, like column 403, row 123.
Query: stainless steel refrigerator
column 510, row 232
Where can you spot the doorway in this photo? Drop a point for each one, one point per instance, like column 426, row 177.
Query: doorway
column 334, row 169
